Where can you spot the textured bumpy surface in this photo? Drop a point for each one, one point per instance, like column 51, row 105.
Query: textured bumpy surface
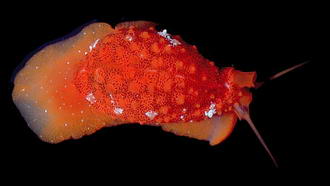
column 138, row 74
column 130, row 74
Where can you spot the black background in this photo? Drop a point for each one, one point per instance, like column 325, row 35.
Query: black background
column 266, row 42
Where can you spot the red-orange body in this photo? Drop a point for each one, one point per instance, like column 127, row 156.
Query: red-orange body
column 139, row 74
column 132, row 73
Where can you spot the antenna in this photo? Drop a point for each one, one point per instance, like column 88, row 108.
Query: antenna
column 279, row 74
column 243, row 113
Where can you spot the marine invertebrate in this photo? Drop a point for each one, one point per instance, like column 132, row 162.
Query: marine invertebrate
column 132, row 73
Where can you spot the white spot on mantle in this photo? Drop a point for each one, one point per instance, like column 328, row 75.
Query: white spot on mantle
column 164, row 34
column 91, row 98
column 211, row 111
column 129, row 38
column 93, row 45
column 227, row 85
column 118, row 110
column 151, row 114
column 111, row 99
